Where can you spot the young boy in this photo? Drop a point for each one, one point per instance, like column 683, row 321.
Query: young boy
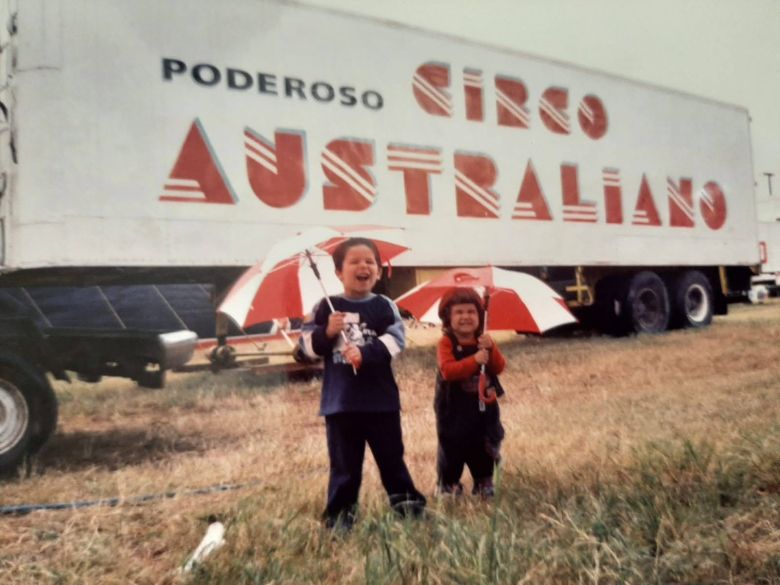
column 467, row 435
column 360, row 399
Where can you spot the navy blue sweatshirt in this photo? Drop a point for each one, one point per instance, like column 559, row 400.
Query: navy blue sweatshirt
column 375, row 327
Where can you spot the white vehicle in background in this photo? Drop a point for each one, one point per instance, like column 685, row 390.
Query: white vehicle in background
column 163, row 141
column 767, row 282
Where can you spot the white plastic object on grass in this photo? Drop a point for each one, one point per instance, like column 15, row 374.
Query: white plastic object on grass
column 213, row 539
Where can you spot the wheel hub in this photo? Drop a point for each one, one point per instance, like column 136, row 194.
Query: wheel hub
column 696, row 303
column 14, row 415
column 647, row 309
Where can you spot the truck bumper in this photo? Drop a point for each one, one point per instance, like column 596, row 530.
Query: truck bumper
column 176, row 348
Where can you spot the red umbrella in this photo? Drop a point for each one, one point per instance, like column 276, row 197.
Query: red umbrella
column 287, row 283
column 516, row 301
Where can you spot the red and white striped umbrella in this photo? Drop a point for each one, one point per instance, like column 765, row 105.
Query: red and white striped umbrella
column 518, row 301
column 285, row 284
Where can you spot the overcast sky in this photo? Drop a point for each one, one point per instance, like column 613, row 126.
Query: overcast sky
column 728, row 50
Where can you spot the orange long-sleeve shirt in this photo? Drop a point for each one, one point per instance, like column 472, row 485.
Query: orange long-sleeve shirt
column 453, row 369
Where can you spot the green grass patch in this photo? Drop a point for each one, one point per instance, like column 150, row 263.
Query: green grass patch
column 679, row 513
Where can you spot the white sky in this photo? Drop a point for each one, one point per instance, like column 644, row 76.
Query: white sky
column 728, row 50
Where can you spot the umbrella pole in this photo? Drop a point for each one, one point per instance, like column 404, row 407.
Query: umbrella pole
column 281, row 330
column 316, row 271
column 482, row 370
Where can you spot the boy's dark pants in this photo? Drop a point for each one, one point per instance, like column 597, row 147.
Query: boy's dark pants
column 347, row 435
column 454, row 453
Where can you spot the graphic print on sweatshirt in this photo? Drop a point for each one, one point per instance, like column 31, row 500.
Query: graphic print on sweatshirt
column 356, row 332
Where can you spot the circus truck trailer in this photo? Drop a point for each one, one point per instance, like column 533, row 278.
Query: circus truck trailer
column 162, row 141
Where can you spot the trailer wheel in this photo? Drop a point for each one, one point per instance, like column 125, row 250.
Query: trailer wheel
column 28, row 414
column 14, row 426
column 48, row 412
column 692, row 304
column 646, row 303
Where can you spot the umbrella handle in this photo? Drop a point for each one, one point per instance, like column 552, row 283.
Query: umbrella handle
column 344, row 337
column 485, row 317
column 316, row 271
column 482, row 386
column 482, row 391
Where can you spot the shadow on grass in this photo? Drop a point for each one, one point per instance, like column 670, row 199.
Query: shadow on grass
column 113, row 449
column 262, row 379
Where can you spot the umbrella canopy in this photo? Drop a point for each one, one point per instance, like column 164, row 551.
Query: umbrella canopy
column 284, row 283
column 388, row 240
column 518, row 301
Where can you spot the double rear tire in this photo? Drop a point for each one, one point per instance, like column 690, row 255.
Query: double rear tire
column 643, row 303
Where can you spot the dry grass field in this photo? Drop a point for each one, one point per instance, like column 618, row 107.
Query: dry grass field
column 637, row 460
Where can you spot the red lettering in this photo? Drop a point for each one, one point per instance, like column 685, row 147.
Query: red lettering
column 351, row 187
column 276, row 174
column 592, row 116
column 575, row 209
column 417, row 164
column 197, row 175
column 511, row 95
column 645, row 212
column 712, row 204
column 680, row 203
column 531, row 203
column 472, row 87
column 474, row 175
column 429, row 85
column 613, row 195
column 552, row 109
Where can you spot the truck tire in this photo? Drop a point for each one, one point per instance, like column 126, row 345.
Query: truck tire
column 646, row 305
column 15, row 427
column 28, row 412
column 48, row 412
column 692, row 302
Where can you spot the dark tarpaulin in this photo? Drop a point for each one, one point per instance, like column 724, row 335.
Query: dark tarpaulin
column 149, row 307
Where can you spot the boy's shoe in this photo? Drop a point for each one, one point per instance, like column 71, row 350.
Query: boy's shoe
column 484, row 488
column 341, row 523
column 408, row 505
column 454, row 489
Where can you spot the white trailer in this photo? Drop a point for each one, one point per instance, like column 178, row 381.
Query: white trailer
column 162, row 135
column 172, row 140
